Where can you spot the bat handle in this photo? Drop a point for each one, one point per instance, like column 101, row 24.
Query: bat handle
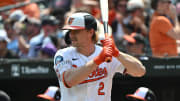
column 108, row 59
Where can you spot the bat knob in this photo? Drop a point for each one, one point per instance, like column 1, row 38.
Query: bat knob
column 108, row 59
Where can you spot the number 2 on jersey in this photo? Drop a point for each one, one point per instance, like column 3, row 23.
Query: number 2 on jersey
column 101, row 87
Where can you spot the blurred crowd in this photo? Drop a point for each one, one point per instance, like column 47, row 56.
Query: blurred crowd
column 34, row 31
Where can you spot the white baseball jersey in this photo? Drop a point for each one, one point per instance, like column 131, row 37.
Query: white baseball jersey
column 97, row 87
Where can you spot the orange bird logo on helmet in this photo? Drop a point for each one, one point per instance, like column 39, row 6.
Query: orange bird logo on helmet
column 70, row 21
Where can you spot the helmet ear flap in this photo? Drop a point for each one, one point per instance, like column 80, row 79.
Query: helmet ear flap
column 150, row 96
column 90, row 22
column 57, row 96
column 67, row 38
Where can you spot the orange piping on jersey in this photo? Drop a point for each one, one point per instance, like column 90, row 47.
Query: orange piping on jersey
column 64, row 81
column 98, row 74
column 75, row 66
column 91, row 80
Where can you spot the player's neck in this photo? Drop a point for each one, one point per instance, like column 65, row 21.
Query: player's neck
column 87, row 50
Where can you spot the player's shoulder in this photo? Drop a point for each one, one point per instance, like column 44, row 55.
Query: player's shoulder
column 65, row 51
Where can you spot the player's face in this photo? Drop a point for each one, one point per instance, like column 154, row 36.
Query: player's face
column 80, row 38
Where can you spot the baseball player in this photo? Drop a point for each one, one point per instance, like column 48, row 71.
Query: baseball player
column 81, row 68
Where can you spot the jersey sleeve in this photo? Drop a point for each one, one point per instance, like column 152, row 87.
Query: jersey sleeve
column 61, row 64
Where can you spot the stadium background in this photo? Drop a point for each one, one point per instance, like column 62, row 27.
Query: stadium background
column 23, row 79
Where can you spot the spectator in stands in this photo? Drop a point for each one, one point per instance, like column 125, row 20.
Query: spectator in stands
column 65, row 4
column 164, row 29
column 118, row 27
column 56, row 4
column 120, row 6
column 4, row 96
column 29, row 37
column 178, row 16
column 35, row 37
column 142, row 94
column 47, row 51
column 94, row 9
column 51, row 94
column 136, row 17
column 148, row 11
column 135, row 44
column 18, row 15
column 112, row 12
column 18, row 18
column 59, row 13
column 76, row 4
column 92, row 6
column 4, row 52
column 12, row 35
column 50, row 27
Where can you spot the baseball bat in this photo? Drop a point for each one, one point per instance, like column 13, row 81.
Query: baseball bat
column 104, row 16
